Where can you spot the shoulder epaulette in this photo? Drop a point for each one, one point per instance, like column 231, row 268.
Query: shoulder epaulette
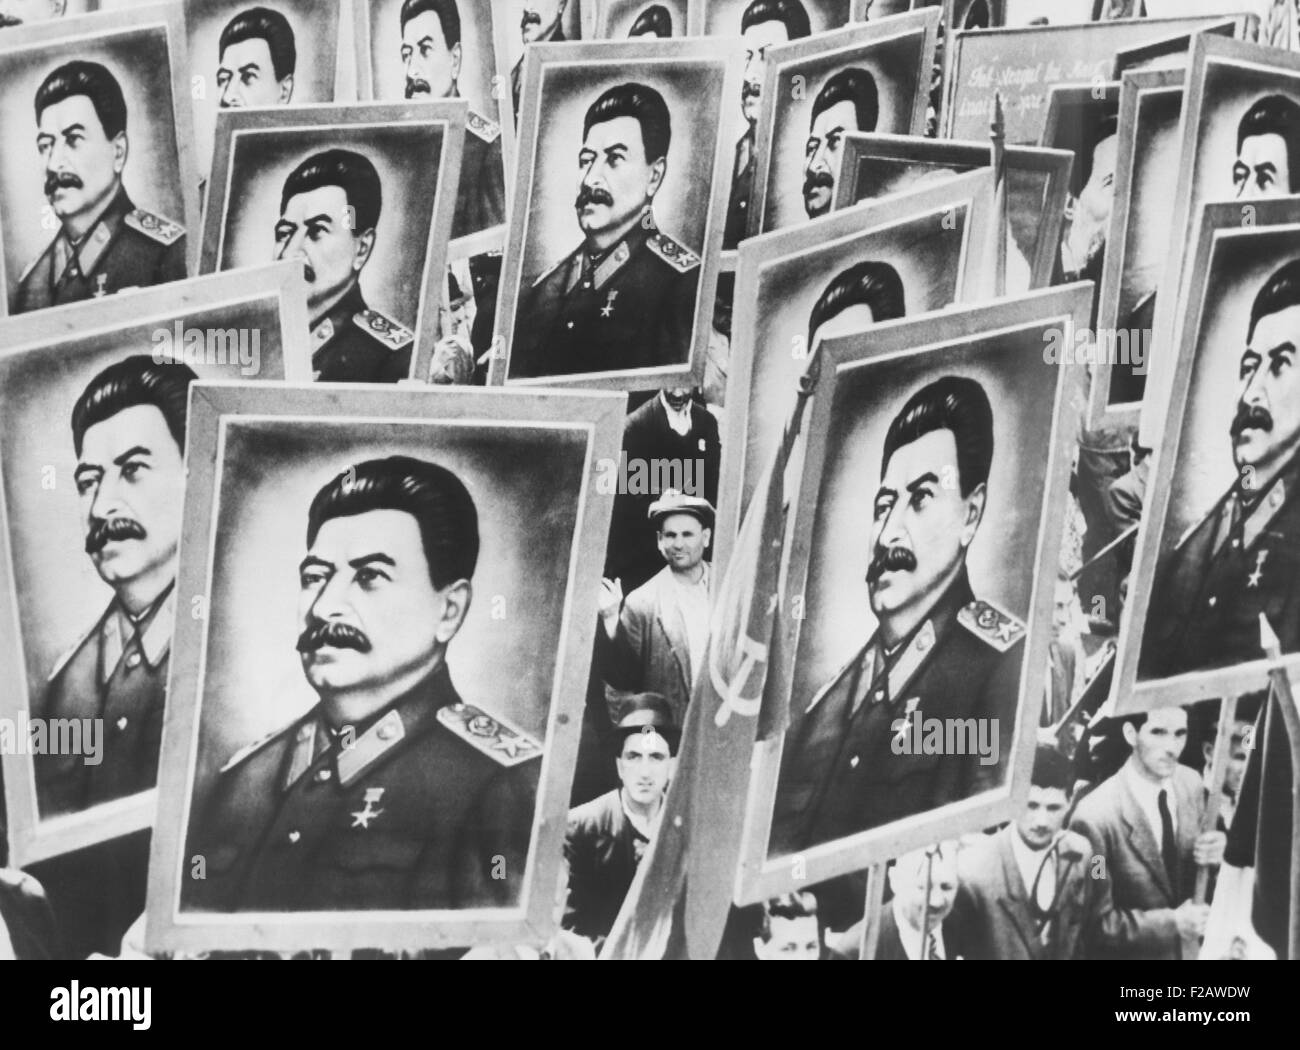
column 488, row 130
column 991, row 625
column 155, row 227
column 385, row 329
column 82, row 639
column 550, row 270
column 249, row 750
column 677, row 256
column 494, row 737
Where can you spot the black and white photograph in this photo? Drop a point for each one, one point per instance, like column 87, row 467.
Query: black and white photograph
column 1240, row 141
column 947, row 436
column 795, row 289
column 1220, row 549
column 93, row 193
column 864, row 78
column 1149, row 146
column 362, row 196
column 610, row 270
column 92, row 435
column 25, row 12
column 384, row 767
column 875, row 167
column 522, row 23
column 653, row 19
column 426, row 50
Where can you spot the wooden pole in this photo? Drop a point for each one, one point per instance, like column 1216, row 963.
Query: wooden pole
column 872, row 905
column 1281, row 692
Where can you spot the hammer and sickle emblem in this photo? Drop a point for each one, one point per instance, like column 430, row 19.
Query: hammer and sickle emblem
column 752, row 655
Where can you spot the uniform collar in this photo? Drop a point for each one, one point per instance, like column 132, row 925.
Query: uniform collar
column 602, row 270
column 154, row 631
column 903, row 663
column 405, row 716
column 96, row 241
column 339, row 315
column 1233, row 515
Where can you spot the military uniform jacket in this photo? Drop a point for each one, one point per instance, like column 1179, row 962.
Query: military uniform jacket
column 839, row 773
column 632, row 308
column 481, row 201
column 117, row 673
column 430, row 807
column 1231, row 566
column 355, row 344
column 742, row 188
column 602, row 849
column 127, row 248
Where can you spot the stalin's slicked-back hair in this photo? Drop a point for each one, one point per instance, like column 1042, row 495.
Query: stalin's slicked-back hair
column 952, row 403
column 351, row 172
column 438, row 501
column 791, row 13
column 447, row 12
column 851, row 85
column 89, row 79
column 136, row 380
column 642, row 103
column 655, row 20
column 1280, row 291
column 261, row 23
column 871, row 283
column 1275, row 115
column 799, row 905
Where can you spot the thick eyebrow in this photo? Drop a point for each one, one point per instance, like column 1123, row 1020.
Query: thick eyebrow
column 1267, row 166
column 87, row 468
column 323, row 217
column 928, row 478
column 131, row 453
column 884, row 490
column 311, row 561
column 366, row 559
column 426, row 39
column 286, row 226
column 1282, row 349
column 250, row 66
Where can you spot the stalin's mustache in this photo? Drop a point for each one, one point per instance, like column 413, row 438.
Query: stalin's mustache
column 531, row 18
column 750, row 89
column 111, row 530
column 62, row 180
column 417, row 86
column 1255, row 417
column 818, row 179
column 593, row 195
column 335, row 634
column 890, row 559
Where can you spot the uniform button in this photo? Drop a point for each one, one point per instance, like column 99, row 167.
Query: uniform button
column 853, row 762
column 880, row 694
column 1236, row 544
column 294, row 836
column 133, row 660
column 323, row 774
column 1213, row 599
column 570, row 324
column 121, row 724
column 586, row 284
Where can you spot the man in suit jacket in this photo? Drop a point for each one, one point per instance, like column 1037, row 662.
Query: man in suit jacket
column 1145, row 823
column 1026, row 891
column 655, row 641
column 669, row 442
column 902, row 918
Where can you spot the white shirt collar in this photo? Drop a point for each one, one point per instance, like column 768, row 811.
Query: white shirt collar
column 1029, row 862
column 679, row 421
column 910, row 936
column 1147, row 793
column 646, row 828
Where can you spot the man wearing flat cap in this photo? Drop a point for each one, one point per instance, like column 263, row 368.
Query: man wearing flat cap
column 656, row 639
column 608, row 836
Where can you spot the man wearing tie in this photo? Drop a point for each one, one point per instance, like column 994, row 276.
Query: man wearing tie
column 1145, row 822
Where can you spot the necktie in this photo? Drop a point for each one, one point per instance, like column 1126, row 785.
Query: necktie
column 1168, row 843
column 932, row 948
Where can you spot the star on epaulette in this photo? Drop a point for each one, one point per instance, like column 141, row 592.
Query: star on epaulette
column 679, row 257
column 488, row 130
column 990, row 624
column 495, row 738
column 155, row 227
column 249, row 750
column 387, row 331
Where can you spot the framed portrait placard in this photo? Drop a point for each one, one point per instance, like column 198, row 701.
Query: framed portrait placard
column 630, row 19
column 1038, row 181
column 364, row 195
column 1219, row 546
column 121, row 210
column 949, row 631
column 796, row 288
column 863, row 78
column 417, row 649
column 609, row 275
column 92, row 429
